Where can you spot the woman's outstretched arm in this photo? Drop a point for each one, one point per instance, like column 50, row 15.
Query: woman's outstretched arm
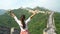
column 13, row 15
column 16, row 19
column 33, row 14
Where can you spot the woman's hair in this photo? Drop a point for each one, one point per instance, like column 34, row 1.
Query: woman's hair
column 22, row 20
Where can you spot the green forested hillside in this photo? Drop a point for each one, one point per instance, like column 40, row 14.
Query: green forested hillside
column 37, row 23
column 57, row 22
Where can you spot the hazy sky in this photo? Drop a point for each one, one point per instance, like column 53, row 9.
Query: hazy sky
column 11, row 4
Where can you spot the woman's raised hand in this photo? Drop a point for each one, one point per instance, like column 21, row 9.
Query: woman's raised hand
column 12, row 14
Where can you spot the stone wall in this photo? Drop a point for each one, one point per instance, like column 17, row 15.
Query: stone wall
column 7, row 30
column 4, row 30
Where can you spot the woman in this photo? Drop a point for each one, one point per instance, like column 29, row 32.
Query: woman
column 22, row 22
